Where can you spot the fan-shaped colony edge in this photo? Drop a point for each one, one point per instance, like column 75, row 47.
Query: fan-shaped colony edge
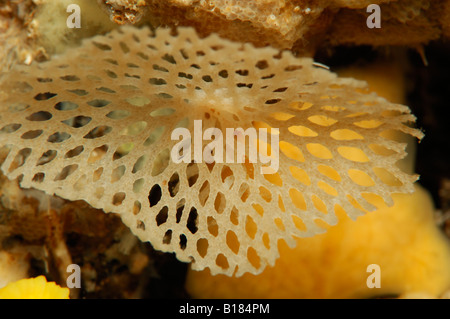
column 95, row 125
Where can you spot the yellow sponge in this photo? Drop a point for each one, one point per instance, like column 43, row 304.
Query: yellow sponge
column 403, row 240
column 34, row 288
column 412, row 254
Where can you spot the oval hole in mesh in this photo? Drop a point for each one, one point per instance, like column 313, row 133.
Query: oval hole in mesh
column 213, row 227
column 353, row 154
column 111, row 61
column 66, row 172
column 157, row 67
column 169, row 58
column 44, row 96
column 140, row 225
column 253, row 257
column 77, row 121
column 297, row 199
column 123, row 150
column 233, row 242
column 39, row 116
column 291, row 151
column 118, row 173
column 266, row 240
column 138, row 184
column 174, row 185
column 322, row 120
column 79, row 92
column 38, row 177
column 319, row 151
column 46, row 157
column 97, row 153
column 111, row 74
column 20, row 159
column 31, row 134
column 192, row 221
column 183, row 242
column 273, row 101
column 139, row 164
column 118, row 198
column 118, row 114
column 222, row 261
column 346, row 135
column 265, row 194
column 136, row 207
column 134, row 129
column 125, row 49
column 329, row 172
column 97, row 174
column 319, row 204
column 298, row 222
column 98, row 103
column 10, row 128
column 275, row 179
column 154, row 195
column 58, row 137
column 98, row 132
column 219, row 203
column 162, row 216
column 74, row 152
column 66, row 106
column 244, row 192
column 250, row 227
column 207, row 78
column 157, row 81
column 361, row 178
column 203, row 194
column 105, row 90
column 327, row 188
column 101, row 46
column 155, row 135
column 291, row 68
column 192, row 173
column 387, row 177
column 180, row 208
column 161, row 162
column 138, row 100
column 44, row 80
column 302, row 131
column 202, row 247
column 234, row 216
column 262, row 64
column 167, row 237
column 70, row 78
column 227, row 176
column 300, row 175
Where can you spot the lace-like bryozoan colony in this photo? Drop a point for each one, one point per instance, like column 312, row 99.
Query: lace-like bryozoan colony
column 96, row 123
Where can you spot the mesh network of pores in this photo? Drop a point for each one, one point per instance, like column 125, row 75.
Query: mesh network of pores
column 96, row 123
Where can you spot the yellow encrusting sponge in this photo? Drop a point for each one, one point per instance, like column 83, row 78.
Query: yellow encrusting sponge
column 403, row 240
column 34, row 288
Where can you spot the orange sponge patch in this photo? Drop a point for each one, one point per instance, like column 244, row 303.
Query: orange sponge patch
column 403, row 240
